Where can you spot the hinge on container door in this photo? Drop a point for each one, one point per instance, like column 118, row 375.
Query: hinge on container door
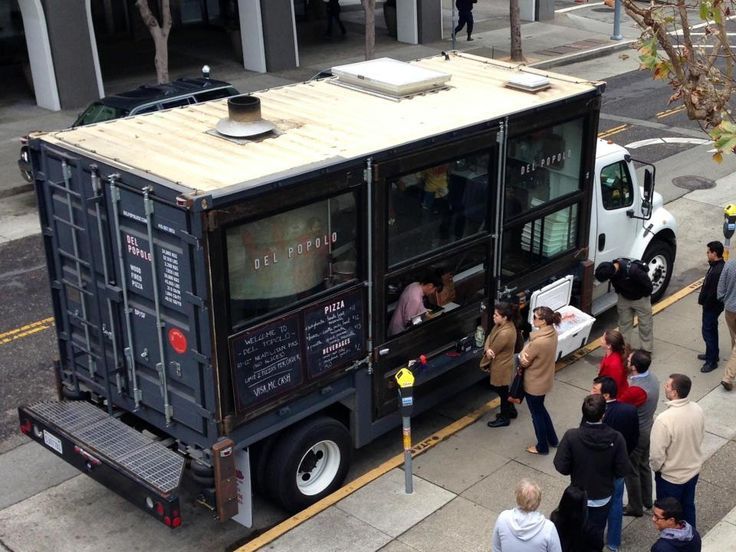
column 199, row 357
column 191, row 239
column 195, row 300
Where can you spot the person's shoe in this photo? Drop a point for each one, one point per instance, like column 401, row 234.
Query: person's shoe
column 631, row 513
column 470, row 39
column 499, row 422
column 727, row 386
column 533, row 450
column 702, row 356
column 513, row 414
column 708, row 367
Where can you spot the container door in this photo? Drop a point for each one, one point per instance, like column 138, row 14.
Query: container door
column 129, row 296
column 432, row 267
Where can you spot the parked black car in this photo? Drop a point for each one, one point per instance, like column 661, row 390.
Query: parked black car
column 144, row 99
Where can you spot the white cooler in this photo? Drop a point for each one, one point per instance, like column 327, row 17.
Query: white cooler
column 574, row 330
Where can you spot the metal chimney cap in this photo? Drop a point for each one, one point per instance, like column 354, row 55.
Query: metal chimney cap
column 244, row 118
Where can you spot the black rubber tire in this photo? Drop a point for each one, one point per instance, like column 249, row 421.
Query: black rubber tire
column 73, row 395
column 288, row 452
column 260, row 458
column 202, row 470
column 660, row 256
column 203, row 480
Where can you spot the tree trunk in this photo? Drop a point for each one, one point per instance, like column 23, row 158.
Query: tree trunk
column 515, row 25
column 160, row 35
column 369, row 7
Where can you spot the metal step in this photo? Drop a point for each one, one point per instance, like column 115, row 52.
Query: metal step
column 119, row 445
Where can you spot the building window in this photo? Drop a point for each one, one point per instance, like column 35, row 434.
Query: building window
column 542, row 166
column 528, row 245
column 617, row 190
column 436, row 206
column 279, row 260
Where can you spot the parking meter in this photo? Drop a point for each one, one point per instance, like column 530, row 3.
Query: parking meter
column 729, row 226
column 405, row 379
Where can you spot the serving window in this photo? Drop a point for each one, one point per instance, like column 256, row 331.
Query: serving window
column 543, row 166
column 291, row 256
column 463, row 282
column 437, row 205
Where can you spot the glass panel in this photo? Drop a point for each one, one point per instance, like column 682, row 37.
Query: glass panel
column 617, row 190
column 414, row 297
column 281, row 259
column 436, row 206
column 98, row 112
column 175, row 103
column 543, row 166
column 526, row 246
column 215, row 94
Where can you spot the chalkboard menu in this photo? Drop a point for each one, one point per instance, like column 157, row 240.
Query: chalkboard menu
column 334, row 333
column 266, row 361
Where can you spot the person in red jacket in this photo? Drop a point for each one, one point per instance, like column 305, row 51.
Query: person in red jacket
column 613, row 364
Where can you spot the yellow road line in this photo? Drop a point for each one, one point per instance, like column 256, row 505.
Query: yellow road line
column 614, row 130
column 668, row 112
column 423, row 446
column 28, row 329
column 316, row 508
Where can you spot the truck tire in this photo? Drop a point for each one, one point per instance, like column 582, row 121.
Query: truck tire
column 259, row 460
column 308, row 462
column 660, row 257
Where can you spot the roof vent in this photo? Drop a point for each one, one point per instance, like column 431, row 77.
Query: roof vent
column 244, row 118
column 528, row 82
column 390, row 77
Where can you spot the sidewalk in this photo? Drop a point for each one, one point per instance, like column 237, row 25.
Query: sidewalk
column 463, row 483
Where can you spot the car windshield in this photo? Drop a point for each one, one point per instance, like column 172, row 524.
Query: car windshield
column 98, row 112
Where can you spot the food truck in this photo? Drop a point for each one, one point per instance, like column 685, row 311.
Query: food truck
column 224, row 275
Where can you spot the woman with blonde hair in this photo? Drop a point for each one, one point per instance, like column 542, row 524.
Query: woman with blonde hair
column 524, row 529
column 538, row 361
column 498, row 359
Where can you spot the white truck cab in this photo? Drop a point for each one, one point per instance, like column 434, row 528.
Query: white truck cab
column 628, row 220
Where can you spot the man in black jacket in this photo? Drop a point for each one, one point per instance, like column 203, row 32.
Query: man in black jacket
column 623, row 418
column 712, row 307
column 594, row 456
column 630, row 279
column 465, row 15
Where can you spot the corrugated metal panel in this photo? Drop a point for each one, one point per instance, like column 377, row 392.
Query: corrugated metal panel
column 316, row 122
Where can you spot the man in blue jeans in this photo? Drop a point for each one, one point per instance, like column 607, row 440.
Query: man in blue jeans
column 594, row 456
column 675, row 453
column 712, row 307
column 623, row 418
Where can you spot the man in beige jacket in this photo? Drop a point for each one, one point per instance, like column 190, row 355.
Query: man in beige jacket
column 675, row 454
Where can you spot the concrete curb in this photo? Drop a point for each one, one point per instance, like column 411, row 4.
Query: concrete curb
column 16, row 190
column 583, row 55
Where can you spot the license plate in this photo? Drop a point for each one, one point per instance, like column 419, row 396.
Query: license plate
column 52, row 441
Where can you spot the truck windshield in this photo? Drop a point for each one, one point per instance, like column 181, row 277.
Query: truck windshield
column 99, row 112
column 279, row 260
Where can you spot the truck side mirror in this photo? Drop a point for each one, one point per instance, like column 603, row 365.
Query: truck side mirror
column 648, row 184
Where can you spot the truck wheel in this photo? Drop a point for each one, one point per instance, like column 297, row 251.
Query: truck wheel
column 308, row 462
column 660, row 258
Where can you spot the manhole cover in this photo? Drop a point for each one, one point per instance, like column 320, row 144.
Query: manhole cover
column 693, row 182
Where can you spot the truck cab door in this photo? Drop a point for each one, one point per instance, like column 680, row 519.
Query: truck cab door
column 614, row 231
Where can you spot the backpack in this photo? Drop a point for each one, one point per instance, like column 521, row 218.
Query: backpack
column 626, row 265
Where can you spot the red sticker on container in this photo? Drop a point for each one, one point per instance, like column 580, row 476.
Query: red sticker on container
column 178, row 340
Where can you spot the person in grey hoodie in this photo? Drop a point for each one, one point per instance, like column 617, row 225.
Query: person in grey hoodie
column 675, row 534
column 726, row 293
column 523, row 529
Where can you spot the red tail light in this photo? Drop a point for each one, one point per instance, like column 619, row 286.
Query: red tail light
column 167, row 521
column 176, row 522
column 26, row 427
column 159, row 509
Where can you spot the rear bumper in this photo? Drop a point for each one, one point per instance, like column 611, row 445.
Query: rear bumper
column 120, row 473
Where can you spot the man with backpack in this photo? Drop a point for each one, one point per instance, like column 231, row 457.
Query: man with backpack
column 630, row 279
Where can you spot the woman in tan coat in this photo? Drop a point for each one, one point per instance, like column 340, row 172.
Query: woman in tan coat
column 538, row 360
column 498, row 359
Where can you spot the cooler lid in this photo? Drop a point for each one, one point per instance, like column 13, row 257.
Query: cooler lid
column 555, row 295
